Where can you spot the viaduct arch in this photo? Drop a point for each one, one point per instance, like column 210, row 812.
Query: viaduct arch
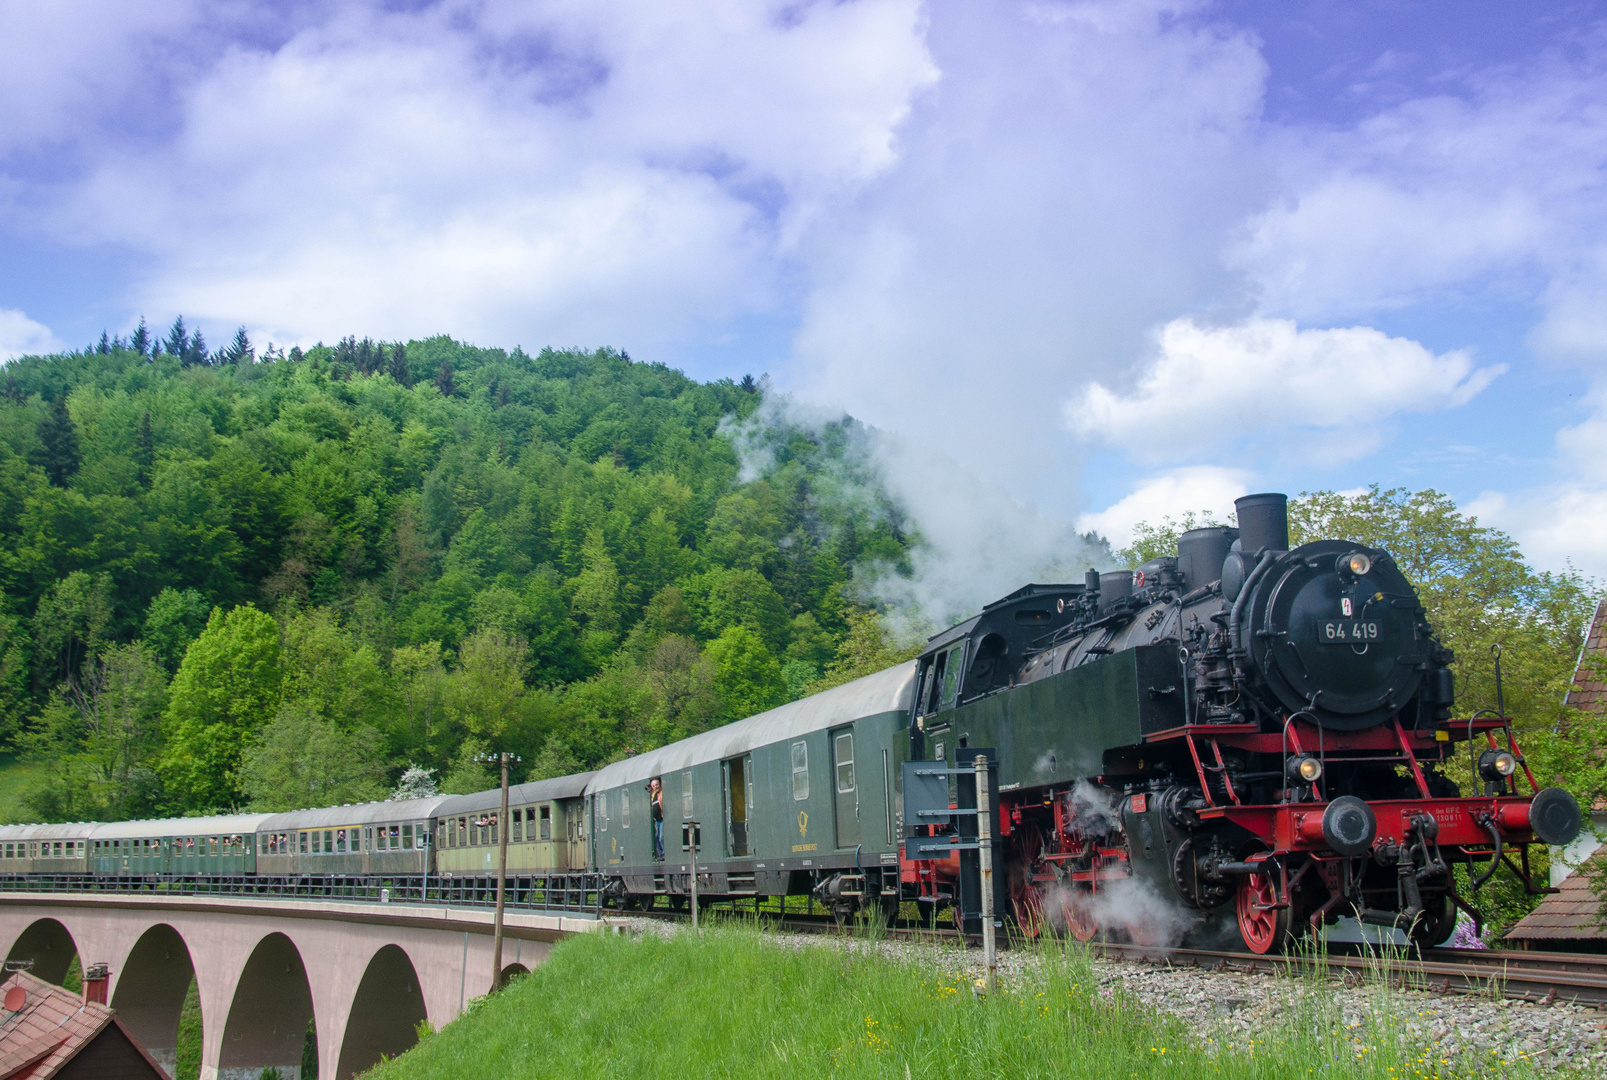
column 365, row 978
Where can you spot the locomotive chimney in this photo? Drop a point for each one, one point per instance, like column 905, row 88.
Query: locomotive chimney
column 1263, row 522
column 1200, row 554
column 1113, row 586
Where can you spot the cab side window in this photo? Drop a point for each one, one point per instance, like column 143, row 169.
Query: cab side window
column 949, row 680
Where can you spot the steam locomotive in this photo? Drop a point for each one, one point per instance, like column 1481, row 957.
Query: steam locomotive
column 1241, row 740
column 1240, row 727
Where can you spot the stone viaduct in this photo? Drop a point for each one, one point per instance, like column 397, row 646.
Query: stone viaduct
column 365, row 974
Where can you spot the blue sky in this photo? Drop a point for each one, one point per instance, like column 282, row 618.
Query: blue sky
column 1111, row 260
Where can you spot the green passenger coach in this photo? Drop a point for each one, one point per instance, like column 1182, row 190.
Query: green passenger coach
column 800, row 799
column 221, row 845
column 546, row 829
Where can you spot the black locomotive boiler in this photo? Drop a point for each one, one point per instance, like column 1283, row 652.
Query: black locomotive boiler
column 1240, row 724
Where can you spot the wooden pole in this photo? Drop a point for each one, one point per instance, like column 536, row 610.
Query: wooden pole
column 502, row 878
column 984, row 840
column 691, row 843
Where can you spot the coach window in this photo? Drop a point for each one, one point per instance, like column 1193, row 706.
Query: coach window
column 516, row 826
column 845, row 763
column 624, row 808
column 686, row 794
column 800, row 771
column 546, row 823
column 407, row 837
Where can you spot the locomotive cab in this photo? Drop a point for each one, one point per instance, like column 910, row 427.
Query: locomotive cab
column 983, row 655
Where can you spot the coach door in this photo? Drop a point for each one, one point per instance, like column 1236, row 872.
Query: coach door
column 845, row 787
column 738, row 798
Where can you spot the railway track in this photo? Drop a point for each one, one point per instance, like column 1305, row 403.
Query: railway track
column 1569, row 978
column 1543, row 978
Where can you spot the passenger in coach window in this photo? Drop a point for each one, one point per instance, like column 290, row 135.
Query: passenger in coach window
column 655, row 799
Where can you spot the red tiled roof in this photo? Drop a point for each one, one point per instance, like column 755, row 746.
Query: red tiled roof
column 1570, row 914
column 50, row 1028
column 1589, row 689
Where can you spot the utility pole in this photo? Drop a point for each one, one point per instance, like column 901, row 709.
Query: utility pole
column 503, row 759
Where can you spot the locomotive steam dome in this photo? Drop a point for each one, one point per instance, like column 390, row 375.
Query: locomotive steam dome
column 1348, row 647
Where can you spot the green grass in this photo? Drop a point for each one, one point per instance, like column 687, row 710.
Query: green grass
column 737, row 1004
column 188, row 1066
column 17, row 778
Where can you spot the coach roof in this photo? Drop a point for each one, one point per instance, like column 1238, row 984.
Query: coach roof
column 340, row 817
column 883, row 692
column 558, row 787
column 215, row 825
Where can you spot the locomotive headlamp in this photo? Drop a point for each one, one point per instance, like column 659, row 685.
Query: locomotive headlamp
column 1497, row 764
column 1354, row 565
column 1303, row 768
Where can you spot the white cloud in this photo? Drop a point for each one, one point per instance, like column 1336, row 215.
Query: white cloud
column 1206, row 490
column 21, row 336
column 1067, row 185
column 1212, row 385
column 1556, row 526
column 1495, row 182
column 566, row 173
column 1562, row 523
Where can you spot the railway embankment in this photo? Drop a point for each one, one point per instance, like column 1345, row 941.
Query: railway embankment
column 653, row 999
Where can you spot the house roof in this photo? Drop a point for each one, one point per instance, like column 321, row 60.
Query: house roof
column 1589, row 689
column 49, row 1028
column 1570, row 914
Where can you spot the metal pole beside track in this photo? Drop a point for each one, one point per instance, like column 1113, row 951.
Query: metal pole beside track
column 691, row 844
column 502, row 878
column 984, row 840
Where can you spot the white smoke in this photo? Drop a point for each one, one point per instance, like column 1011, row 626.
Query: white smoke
column 1094, row 810
column 975, row 543
column 1126, row 909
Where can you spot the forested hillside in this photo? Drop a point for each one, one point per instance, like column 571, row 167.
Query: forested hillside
column 280, row 581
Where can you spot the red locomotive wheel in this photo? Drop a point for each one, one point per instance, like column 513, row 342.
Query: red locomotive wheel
column 1028, row 904
column 1079, row 922
column 1264, row 924
column 1026, row 898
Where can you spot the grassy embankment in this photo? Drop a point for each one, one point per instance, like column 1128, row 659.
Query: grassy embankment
column 738, row 1005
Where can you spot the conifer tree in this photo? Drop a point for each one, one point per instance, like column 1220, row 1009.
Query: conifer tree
column 195, row 353
column 58, row 438
column 178, row 339
column 399, row 370
column 239, row 350
column 105, row 345
column 141, row 341
column 443, row 380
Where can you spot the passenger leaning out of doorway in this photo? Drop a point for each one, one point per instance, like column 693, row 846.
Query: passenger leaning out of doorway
column 655, row 799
